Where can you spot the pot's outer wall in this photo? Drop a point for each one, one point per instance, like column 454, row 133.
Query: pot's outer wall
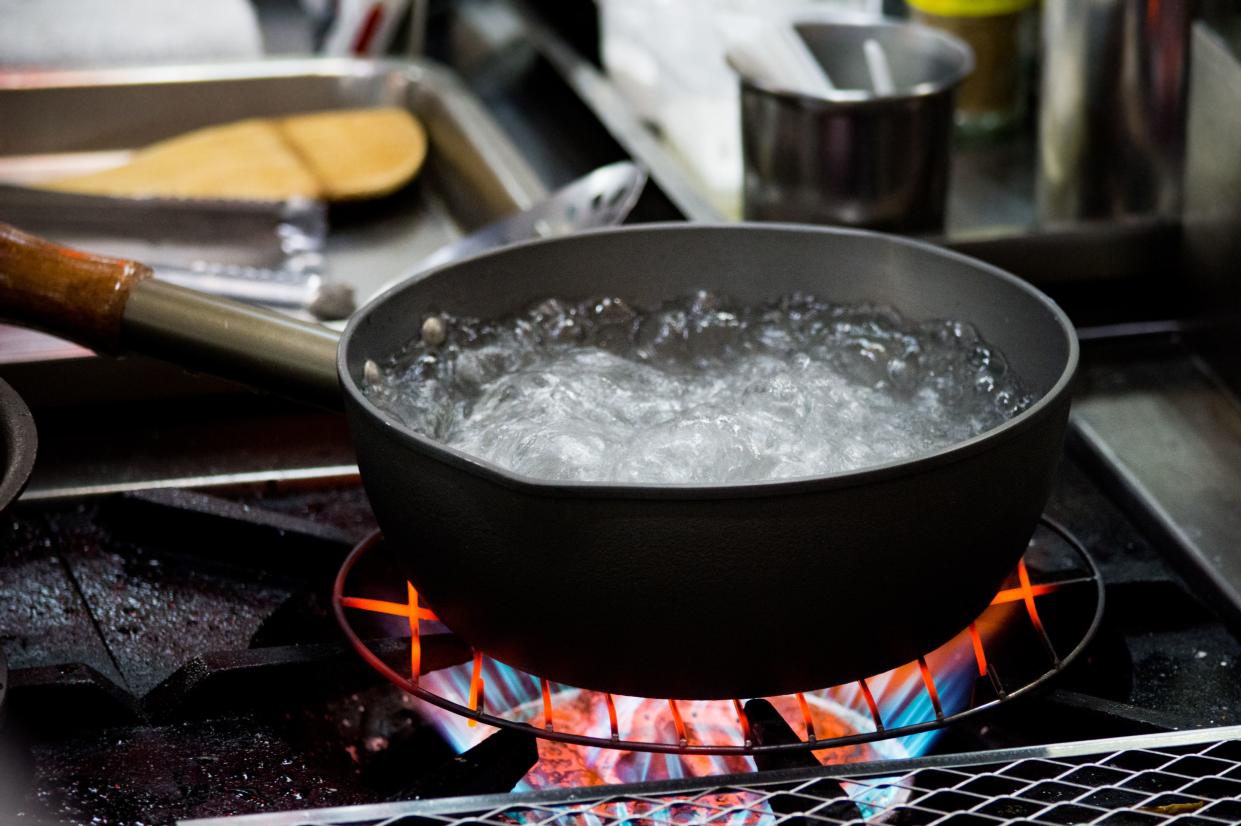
column 665, row 593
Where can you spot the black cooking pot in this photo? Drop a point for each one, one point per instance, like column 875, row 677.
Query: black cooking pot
column 19, row 443
column 682, row 591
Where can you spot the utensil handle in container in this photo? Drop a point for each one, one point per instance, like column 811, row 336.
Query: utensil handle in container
column 113, row 305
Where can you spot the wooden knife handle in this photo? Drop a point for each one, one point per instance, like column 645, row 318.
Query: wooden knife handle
column 71, row 294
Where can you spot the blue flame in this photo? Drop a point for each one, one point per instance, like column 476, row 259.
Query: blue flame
column 900, row 694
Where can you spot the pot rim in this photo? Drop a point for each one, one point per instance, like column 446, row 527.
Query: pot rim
column 868, row 475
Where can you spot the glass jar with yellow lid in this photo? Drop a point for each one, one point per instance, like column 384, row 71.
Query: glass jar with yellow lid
column 1000, row 32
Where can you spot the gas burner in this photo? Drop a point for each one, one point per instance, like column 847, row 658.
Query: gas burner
column 1057, row 584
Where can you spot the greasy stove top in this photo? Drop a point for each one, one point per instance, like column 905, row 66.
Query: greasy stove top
column 172, row 656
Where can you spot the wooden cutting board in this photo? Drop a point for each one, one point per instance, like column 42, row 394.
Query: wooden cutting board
column 336, row 155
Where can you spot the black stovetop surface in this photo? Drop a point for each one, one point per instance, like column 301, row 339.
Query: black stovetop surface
column 172, row 655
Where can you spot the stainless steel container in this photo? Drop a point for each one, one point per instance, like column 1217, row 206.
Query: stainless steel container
column 1112, row 108
column 856, row 158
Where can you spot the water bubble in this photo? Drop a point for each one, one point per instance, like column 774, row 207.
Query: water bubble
column 700, row 390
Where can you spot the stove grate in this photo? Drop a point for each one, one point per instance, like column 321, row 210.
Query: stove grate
column 1080, row 573
column 1189, row 778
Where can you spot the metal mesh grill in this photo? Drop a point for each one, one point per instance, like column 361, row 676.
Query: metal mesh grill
column 1187, row 779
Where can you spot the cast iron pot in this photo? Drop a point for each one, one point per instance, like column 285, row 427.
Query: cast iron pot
column 19, row 443
column 682, row 591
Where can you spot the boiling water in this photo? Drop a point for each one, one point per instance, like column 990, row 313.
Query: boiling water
column 700, row 391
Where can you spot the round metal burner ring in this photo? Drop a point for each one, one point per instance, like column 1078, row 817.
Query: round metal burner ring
column 472, row 707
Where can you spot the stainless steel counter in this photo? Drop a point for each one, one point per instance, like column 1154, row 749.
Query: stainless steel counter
column 1164, row 424
column 1164, row 434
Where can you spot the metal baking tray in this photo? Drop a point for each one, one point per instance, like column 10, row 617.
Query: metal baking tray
column 56, row 123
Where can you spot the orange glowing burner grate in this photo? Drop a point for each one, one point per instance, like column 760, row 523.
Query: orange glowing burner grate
column 981, row 647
